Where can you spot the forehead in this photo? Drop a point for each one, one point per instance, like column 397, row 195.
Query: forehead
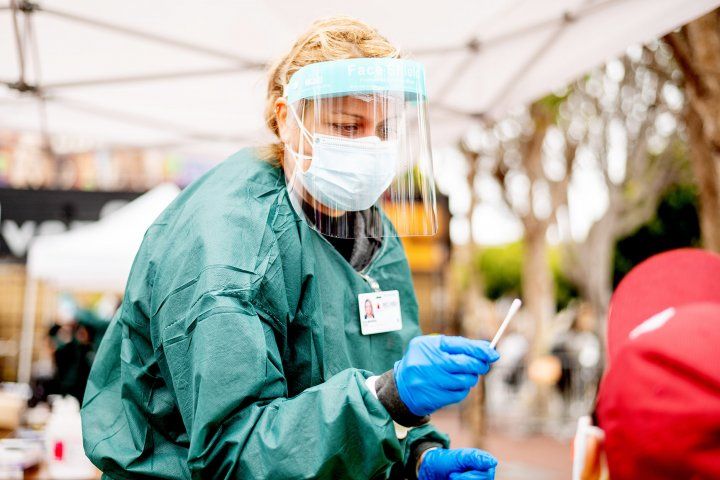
column 358, row 104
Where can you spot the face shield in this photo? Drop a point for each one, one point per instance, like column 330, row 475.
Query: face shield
column 358, row 145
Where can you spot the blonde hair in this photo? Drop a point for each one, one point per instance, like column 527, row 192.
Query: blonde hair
column 333, row 38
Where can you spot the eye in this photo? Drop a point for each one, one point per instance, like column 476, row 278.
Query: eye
column 346, row 129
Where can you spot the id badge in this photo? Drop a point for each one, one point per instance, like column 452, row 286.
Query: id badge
column 379, row 312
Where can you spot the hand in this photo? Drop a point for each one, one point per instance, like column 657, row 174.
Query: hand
column 458, row 464
column 438, row 370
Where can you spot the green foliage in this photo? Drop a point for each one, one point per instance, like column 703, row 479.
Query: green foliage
column 675, row 225
column 501, row 270
column 552, row 103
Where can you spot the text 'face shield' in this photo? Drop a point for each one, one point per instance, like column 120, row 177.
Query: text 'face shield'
column 359, row 140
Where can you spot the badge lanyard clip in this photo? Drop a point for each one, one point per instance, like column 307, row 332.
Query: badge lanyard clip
column 371, row 281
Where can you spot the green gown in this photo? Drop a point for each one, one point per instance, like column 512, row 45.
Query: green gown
column 237, row 350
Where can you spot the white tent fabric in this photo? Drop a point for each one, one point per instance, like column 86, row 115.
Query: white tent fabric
column 172, row 73
column 98, row 256
column 95, row 257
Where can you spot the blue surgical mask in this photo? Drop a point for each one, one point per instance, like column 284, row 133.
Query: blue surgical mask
column 347, row 174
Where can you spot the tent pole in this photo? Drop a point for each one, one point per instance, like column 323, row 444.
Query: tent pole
column 177, row 43
column 27, row 336
column 19, row 44
column 144, row 78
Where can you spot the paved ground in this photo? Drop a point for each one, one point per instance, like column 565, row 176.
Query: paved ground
column 521, row 458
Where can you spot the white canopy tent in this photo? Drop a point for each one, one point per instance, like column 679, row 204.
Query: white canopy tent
column 95, row 257
column 174, row 73
column 187, row 74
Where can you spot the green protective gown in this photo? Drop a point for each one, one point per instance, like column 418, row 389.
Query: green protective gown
column 237, row 350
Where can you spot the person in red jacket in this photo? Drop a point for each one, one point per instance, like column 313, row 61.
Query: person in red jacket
column 657, row 414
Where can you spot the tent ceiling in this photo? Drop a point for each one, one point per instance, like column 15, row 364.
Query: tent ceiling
column 163, row 72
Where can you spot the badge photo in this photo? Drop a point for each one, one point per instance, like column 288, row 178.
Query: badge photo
column 379, row 312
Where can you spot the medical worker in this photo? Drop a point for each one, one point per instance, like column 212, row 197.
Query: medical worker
column 241, row 349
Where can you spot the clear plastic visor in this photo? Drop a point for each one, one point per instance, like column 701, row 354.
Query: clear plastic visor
column 352, row 158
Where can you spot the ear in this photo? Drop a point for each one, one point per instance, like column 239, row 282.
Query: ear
column 281, row 112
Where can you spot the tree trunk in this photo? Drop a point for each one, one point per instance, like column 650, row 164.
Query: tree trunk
column 705, row 161
column 538, row 294
column 537, row 284
column 697, row 51
column 537, row 281
column 472, row 412
column 594, row 278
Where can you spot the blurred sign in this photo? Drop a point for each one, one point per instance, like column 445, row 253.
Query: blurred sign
column 27, row 213
column 24, row 163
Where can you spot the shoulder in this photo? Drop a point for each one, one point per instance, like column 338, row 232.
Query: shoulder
column 240, row 180
column 218, row 234
column 233, row 198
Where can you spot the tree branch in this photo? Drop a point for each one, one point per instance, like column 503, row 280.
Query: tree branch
column 680, row 47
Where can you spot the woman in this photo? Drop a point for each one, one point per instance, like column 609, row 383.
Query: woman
column 369, row 312
column 239, row 351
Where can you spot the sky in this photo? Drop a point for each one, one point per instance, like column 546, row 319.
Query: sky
column 494, row 223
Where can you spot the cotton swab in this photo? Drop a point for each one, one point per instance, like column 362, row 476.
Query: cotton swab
column 511, row 313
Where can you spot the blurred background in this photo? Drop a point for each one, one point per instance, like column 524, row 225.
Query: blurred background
column 572, row 139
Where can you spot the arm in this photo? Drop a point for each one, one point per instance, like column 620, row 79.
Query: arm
column 228, row 379
column 419, row 439
column 434, row 372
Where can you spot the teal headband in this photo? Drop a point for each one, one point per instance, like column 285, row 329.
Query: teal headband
column 357, row 75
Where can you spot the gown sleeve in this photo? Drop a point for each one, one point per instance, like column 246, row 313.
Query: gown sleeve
column 231, row 391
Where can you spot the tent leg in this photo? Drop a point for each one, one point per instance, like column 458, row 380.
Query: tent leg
column 27, row 336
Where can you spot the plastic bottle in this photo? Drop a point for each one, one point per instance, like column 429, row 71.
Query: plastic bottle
column 10, row 465
column 65, row 456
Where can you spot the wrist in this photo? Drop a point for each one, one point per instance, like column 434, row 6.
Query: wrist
column 401, row 431
column 389, row 396
column 421, row 457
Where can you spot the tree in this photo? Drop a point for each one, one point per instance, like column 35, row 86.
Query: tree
column 696, row 48
column 511, row 152
column 501, row 268
column 675, row 225
column 473, row 304
column 624, row 113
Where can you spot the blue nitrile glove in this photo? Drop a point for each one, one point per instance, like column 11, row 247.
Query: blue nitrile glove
column 458, row 464
column 438, row 370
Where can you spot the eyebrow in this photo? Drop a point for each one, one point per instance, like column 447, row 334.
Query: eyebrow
column 386, row 120
column 349, row 114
